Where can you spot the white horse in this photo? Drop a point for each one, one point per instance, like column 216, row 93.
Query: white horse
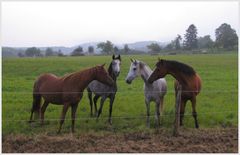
column 153, row 92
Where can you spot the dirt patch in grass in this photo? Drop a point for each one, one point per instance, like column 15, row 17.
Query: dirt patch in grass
column 189, row 140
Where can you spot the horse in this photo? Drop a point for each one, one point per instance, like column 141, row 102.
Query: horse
column 153, row 92
column 185, row 76
column 105, row 91
column 66, row 91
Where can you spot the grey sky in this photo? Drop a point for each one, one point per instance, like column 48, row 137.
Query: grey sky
column 70, row 23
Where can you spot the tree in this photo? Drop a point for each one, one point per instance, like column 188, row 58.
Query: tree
column 49, row 52
column 59, row 53
column 190, row 41
column 116, row 50
column 126, row 49
column 205, row 42
column 20, row 54
column 90, row 49
column 170, row 46
column 154, row 47
column 106, row 47
column 226, row 37
column 33, row 52
column 77, row 52
column 177, row 42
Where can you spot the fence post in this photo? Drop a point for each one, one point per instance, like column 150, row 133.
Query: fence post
column 177, row 111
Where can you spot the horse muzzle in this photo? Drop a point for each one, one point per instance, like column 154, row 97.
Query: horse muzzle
column 128, row 81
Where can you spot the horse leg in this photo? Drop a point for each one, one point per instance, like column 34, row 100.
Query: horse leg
column 96, row 97
column 148, row 113
column 43, row 109
column 73, row 110
column 101, row 106
column 110, row 109
column 157, row 114
column 30, row 120
column 64, row 110
column 90, row 100
column 182, row 110
column 161, row 105
column 194, row 112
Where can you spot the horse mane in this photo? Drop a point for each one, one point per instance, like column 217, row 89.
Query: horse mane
column 143, row 64
column 181, row 67
column 71, row 75
column 110, row 72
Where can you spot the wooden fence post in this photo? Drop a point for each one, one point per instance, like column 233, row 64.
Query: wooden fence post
column 177, row 111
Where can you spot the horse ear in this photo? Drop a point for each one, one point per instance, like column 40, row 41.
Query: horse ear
column 113, row 56
column 119, row 57
column 103, row 65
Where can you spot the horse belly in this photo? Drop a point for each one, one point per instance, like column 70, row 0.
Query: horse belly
column 101, row 89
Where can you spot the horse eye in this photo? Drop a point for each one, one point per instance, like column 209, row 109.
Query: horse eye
column 134, row 69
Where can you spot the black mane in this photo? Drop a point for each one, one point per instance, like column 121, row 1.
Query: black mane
column 181, row 67
column 110, row 72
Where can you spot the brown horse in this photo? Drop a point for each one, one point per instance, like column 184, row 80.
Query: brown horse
column 186, row 77
column 66, row 91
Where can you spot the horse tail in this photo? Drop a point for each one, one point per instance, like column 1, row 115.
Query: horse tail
column 36, row 104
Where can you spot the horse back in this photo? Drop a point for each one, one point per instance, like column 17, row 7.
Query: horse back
column 49, row 87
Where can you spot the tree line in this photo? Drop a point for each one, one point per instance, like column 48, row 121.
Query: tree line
column 226, row 38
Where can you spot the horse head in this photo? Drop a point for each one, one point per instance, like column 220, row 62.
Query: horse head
column 134, row 71
column 159, row 72
column 115, row 65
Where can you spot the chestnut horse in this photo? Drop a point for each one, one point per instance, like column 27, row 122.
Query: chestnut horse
column 186, row 77
column 66, row 91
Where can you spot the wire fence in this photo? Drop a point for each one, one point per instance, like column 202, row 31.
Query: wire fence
column 135, row 91
column 122, row 117
column 229, row 110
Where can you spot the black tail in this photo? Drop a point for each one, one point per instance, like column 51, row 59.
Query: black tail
column 90, row 100
column 36, row 104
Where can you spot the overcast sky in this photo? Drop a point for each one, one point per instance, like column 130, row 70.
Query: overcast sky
column 71, row 23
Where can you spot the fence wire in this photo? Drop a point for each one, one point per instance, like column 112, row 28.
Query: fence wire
column 122, row 117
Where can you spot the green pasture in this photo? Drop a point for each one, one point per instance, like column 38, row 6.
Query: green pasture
column 217, row 104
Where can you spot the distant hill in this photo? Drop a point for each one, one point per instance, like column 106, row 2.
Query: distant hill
column 138, row 46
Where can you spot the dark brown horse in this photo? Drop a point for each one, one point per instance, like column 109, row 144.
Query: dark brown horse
column 186, row 77
column 66, row 91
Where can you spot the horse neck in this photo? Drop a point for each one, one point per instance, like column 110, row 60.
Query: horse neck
column 83, row 78
column 110, row 72
column 179, row 76
column 145, row 72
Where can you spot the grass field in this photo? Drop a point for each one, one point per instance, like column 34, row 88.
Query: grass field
column 217, row 104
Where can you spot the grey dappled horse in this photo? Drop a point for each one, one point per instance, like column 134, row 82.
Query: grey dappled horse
column 153, row 92
column 104, row 91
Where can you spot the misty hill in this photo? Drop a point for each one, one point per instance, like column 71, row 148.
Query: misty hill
column 138, row 46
